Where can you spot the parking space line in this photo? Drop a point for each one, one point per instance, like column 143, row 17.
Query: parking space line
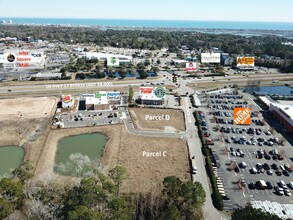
column 248, row 153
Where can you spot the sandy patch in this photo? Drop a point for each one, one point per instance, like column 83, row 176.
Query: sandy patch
column 142, row 118
column 14, row 109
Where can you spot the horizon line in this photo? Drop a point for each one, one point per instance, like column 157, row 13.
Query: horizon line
column 147, row 19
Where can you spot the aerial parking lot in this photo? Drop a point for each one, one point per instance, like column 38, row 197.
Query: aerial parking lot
column 251, row 162
column 89, row 118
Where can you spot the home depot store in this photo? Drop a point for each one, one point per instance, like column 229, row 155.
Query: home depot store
column 101, row 100
column 284, row 113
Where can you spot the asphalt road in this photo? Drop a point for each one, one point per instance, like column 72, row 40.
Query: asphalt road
column 194, row 145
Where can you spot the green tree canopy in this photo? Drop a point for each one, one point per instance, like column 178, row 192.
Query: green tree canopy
column 253, row 214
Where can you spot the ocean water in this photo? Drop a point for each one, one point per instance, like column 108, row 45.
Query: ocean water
column 157, row 23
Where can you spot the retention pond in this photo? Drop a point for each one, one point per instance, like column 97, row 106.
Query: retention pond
column 10, row 159
column 78, row 155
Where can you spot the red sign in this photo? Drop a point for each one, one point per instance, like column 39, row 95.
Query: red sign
column 66, row 98
column 191, row 66
column 146, row 90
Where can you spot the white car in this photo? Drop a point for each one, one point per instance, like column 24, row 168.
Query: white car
column 287, row 192
column 194, row 170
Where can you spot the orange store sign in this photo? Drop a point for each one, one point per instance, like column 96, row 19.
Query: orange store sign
column 242, row 116
column 245, row 61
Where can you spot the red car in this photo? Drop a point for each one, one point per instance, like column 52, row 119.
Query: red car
column 210, row 141
column 206, row 134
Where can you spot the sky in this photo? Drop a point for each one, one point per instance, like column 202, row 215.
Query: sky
column 210, row 10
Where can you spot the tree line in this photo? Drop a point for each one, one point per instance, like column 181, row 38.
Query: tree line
column 155, row 39
column 97, row 197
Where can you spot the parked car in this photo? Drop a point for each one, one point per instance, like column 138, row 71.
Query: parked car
column 286, row 173
column 225, row 197
column 279, row 173
column 251, row 186
column 194, row 170
column 269, row 185
column 253, row 171
column 291, row 184
column 287, row 192
column 274, row 166
column 242, row 165
column 266, row 166
column 279, row 190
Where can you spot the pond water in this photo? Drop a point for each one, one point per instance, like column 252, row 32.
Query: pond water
column 10, row 159
column 77, row 154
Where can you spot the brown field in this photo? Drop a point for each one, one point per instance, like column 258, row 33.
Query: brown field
column 145, row 174
column 27, row 108
column 176, row 121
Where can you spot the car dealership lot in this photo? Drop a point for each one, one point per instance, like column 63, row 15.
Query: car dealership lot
column 242, row 150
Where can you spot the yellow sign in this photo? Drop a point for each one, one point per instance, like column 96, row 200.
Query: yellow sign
column 245, row 61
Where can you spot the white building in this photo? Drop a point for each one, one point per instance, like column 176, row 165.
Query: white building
column 106, row 56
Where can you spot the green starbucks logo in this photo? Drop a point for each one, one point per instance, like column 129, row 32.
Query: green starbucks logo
column 160, row 92
column 113, row 60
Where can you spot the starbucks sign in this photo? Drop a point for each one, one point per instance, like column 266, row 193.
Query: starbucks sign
column 113, row 61
column 160, row 92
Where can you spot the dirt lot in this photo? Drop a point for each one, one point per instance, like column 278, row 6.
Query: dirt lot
column 26, row 122
column 176, row 121
column 27, row 107
column 145, row 174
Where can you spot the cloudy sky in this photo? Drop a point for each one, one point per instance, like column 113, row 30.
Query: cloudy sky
column 224, row 10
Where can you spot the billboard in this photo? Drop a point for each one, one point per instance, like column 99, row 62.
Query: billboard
column 191, row 66
column 113, row 61
column 100, row 94
column 23, row 59
column 210, row 57
column 113, row 95
column 146, row 91
column 245, row 61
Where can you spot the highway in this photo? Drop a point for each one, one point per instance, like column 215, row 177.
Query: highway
column 44, row 88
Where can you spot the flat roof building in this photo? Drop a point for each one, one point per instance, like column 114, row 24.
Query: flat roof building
column 105, row 56
column 284, row 113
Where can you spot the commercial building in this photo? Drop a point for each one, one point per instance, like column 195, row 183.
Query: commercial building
column 101, row 100
column 45, row 76
column 93, row 103
column 151, row 95
column 284, row 113
column 226, row 59
column 107, row 56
